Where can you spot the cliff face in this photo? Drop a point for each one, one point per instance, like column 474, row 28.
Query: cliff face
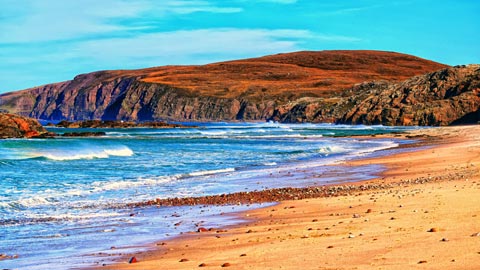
column 284, row 87
column 448, row 96
column 14, row 126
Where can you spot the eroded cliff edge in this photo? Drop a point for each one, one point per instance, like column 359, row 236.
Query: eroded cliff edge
column 369, row 87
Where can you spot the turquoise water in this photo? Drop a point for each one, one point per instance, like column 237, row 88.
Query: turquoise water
column 62, row 199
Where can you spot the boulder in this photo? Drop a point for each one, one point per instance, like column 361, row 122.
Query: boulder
column 14, row 126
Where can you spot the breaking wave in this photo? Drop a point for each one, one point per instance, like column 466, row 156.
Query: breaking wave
column 89, row 153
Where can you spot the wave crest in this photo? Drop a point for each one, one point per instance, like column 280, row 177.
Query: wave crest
column 65, row 155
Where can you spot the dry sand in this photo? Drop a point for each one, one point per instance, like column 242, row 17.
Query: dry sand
column 430, row 219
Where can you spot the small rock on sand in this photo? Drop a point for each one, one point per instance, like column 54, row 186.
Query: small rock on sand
column 226, row 264
column 133, row 260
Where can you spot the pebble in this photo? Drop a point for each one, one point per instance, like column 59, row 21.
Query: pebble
column 369, row 211
column 444, row 240
column 243, row 255
column 133, row 260
column 202, row 229
column 226, row 264
column 183, row 260
column 202, row 265
column 423, row 261
column 433, row 230
column 476, row 234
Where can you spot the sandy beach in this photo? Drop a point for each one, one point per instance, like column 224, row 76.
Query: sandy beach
column 422, row 212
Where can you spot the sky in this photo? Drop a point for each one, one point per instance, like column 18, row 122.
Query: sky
column 47, row 41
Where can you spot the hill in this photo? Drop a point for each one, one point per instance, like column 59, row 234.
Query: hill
column 248, row 89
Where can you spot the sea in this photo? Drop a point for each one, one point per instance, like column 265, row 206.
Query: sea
column 63, row 201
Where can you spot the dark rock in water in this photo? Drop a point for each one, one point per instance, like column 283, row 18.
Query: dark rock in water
column 115, row 124
column 14, row 126
column 84, row 134
column 202, row 229
column 133, row 260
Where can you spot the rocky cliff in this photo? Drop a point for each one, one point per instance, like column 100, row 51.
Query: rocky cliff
column 299, row 86
column 448, row 96
column 445, row 97
column 14, row 126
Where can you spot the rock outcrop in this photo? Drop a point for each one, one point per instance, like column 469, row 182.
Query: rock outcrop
column 115, row 124
column 279, row 86
column 448, row 96
column 14, row 126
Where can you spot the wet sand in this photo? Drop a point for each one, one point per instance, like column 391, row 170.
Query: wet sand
column 423, row 212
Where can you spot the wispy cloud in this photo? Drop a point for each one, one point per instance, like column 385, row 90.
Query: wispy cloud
column 280, row 1
column 180, row 47
column 336, row 38
column 50, row 20
column 186, row 7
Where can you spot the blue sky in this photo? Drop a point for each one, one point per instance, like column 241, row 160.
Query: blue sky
column 45, row 41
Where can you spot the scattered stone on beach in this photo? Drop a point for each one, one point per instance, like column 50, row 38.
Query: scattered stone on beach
column 422, row 261
column 183, row 260
column 133, row 260
column 444, row 240
column 289, row 193
column 243, row 255
column 433, row 230
column 226, row 264
column 330, row 247
column 202, row 229
column 356, row 216
column 475, row 234
column 202, row 265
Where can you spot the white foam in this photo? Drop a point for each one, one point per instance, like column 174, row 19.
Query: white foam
column 332, row 149
column 117, row 185
column 121, row 152
column 209, row 172
column 66, row 155
column 270, row 163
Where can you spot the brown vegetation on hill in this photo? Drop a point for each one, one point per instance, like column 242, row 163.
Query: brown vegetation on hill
column 292, row 75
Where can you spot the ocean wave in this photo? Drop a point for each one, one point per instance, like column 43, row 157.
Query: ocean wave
column 210, row 172
column 332, row 149
column 147, row 181
column 76, row 154
column 383, row 146
column 35, row 218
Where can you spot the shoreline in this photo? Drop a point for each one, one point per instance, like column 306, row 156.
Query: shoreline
column 393, row 179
